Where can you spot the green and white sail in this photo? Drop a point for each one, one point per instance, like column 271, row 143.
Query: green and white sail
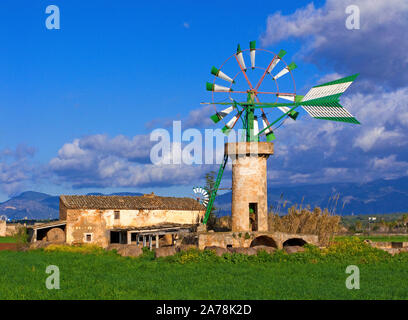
column 322, row 101
column 290, row 97
column 218, row 73
column 276, row 60
column 217, row 87
column 222, row 114
column 230, row 124
column 240, row 58
column 284, row 71
column 252, row 51
column 256, row 126
column 268, row 132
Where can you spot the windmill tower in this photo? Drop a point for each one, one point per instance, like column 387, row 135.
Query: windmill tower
column 249, row 155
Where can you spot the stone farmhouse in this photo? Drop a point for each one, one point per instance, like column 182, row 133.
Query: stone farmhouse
column 145, row 220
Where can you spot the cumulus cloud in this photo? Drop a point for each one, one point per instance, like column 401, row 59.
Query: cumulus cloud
column 316, row 151
column 377, row 50
column 100, row 161
column 16, row 169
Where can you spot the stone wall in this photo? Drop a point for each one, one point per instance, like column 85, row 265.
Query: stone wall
column 2, row 228
column 11, row 229
column 249, row 183
column 98, row 223
column 245, row 239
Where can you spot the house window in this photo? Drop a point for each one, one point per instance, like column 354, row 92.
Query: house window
column 117, row 215
column 88, row 237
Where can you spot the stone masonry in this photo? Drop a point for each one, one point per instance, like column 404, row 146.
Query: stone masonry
column 249, row 184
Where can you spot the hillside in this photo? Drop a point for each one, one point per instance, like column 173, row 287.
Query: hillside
column 379, row 196
column 37, row 205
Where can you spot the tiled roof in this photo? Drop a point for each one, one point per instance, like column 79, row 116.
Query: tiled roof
column 146, row 202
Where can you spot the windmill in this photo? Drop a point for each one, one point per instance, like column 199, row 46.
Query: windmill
column 237, row 98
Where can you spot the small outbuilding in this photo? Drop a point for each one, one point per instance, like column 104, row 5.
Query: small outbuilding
column 103, row 220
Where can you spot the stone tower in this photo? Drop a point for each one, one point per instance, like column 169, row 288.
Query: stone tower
column 249, row 185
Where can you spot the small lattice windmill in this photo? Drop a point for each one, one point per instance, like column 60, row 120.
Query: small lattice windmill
column 320, row 102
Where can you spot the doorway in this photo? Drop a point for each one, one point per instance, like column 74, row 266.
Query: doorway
column 253, row 216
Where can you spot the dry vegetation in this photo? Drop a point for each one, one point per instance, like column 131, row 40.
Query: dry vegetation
column 305, row 221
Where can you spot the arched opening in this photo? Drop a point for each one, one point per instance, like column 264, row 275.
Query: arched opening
column 294, row 242
column 264, row 241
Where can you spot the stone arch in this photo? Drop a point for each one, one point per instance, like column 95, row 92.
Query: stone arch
column 264, row 241
column 294, row 242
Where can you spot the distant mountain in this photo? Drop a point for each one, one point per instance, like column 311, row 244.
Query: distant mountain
column 379, row 196
column 37, row 205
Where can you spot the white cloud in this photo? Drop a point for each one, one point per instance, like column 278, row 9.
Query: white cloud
column 377, row 49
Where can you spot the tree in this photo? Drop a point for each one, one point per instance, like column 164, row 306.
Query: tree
column 210, row 186
column 359, row 226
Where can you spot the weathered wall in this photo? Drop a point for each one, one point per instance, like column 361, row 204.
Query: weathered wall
column 99, row 222
column 11, row 229
column 244, row 239
column 249, row 183
column 2, row 228
column 62, row 210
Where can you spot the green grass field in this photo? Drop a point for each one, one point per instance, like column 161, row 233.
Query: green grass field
column 379, row 238
column 194, row 275
column 7, row 240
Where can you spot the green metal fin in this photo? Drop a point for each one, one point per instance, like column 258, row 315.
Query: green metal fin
column 292, row 66
column 281, row 53
column 270, row 137
column 215, row 117
column 293, row 114
column 226, row 130
column 209, row 86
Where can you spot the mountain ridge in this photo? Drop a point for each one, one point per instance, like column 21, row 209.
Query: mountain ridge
column 375, row 197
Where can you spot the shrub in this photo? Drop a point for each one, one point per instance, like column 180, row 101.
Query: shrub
column 21, row 235
column 85, row 248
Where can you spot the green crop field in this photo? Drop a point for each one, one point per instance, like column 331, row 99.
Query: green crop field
column 96, row 274
column 384, row 238
column 7, row 240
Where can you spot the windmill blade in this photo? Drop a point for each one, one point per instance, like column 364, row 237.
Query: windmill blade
column 284, row 71
column 252, row 51
column 256, row 126
column 217, row 88
column 293, row 114
column 230, row 124
column 276, row 60
column 290, row 97
column 240, row 58
column 322, row 101
column 270, row 136
column 222, row 114
column 218, row 73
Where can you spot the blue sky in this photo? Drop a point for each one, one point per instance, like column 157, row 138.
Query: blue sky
column 79, row 102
